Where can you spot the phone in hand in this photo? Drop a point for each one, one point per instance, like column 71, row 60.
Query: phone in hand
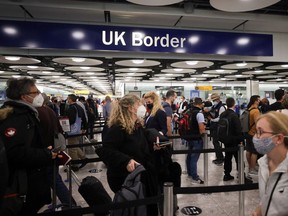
column 164, row 143
column 64, row 159
column 56, row 149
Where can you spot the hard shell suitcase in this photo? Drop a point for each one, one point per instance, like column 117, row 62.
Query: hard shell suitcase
column 93, row 192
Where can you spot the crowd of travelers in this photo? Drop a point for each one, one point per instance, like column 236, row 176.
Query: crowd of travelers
column 133, row 125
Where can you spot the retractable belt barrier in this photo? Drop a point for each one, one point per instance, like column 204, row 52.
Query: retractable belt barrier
column 152, row 200
column 98, row 209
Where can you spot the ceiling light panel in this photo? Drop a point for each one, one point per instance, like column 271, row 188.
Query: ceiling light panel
column 77, row 61
column 192, row 64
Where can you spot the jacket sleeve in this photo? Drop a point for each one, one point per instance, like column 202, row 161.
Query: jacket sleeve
column 111, row 153
column 22, row 147
column 162, row 120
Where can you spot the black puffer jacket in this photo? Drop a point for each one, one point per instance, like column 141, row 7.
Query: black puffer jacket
column 19, row 130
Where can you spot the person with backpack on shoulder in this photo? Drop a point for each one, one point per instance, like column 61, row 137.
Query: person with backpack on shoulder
column 125, row 146
column 195, row 142
column 251, row 153
column 216, row 110
column 230, row 133
column 167, row 105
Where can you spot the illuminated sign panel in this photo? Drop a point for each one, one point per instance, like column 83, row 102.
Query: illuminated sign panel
column 42, row 35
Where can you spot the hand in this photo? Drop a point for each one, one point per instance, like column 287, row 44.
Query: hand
column 156, row 146
column 131, row 165
column 54, row 154
column 257, row 212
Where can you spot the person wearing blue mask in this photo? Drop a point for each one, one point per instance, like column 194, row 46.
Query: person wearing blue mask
column 271, row 139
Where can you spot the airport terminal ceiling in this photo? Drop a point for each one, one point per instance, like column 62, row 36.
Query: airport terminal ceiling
column 99, row 74
column 98, row 71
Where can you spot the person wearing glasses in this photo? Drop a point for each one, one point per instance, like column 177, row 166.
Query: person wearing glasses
column 271, row 140
column 28, row 157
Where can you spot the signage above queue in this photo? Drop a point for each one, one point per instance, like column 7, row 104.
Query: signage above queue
column 43, row 35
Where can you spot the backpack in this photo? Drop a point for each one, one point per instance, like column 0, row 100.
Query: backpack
column 132, row 189
column 184, row 124
column 245, row 121
column 223, row 130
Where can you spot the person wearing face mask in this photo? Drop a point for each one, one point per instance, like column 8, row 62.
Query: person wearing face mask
column 156, row 117
column 125, row 146
column 28, row 156
column 271, row 139
column 216, row 110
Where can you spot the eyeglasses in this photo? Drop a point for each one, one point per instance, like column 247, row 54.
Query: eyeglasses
column 260, row 132
column 35, row 92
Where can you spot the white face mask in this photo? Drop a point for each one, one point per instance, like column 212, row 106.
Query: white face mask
column 141, row 111
column 215, row 103
column 38, row 101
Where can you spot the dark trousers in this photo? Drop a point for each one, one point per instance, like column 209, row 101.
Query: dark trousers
column 228, row 159
column 216, row 144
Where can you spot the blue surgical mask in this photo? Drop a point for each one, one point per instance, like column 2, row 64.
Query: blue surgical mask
column 263, row 145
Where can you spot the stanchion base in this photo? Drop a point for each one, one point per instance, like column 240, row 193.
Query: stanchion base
column 191, row 210
column 95, row 170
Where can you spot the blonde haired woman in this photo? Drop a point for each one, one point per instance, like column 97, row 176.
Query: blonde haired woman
column 156, row 117
column 271, row 139
column 125, row 146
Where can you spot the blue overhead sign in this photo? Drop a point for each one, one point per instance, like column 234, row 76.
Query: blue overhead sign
column 42, row 35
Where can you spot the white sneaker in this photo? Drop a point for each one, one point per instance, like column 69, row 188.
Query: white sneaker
column 253, row 172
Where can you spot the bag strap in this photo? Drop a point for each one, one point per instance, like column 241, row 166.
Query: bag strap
column 268, row 205
column 135, row 174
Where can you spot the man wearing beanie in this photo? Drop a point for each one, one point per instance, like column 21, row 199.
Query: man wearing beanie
column 216, row 111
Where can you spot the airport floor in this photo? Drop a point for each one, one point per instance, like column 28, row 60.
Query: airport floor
column 216, row 204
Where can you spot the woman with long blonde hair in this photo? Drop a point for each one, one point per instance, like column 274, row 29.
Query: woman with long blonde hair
column 125, row 146
column 156, row 117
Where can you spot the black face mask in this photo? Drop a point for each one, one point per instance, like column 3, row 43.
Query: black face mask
column 149, row 106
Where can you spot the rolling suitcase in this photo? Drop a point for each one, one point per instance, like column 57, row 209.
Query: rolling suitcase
column 94, row 193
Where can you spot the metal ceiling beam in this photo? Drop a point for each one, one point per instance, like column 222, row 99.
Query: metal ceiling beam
column 138, row 9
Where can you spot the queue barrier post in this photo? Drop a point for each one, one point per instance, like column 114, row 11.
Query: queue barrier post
column 205, row 141
column 168, row 199
column 241, row 179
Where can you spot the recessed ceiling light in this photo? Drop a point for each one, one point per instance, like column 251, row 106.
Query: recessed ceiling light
column 56, row 76
column 90, row 73
column 78, row 59
column 46, row 72
column 169, row 74
column 285, row 66
column 220, row 70
column 138, row 61
column 177, row 69
column 241, row 64
column 192, row 62
column 85, row 68
column 238, row 75
column 1, row 71
column 131, row 74
column 12, row 58
column 32, row 66
column 133, row 69
column 258, row 71
column 16, row 76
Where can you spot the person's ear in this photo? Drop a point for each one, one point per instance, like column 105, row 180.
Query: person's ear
column 280, row 139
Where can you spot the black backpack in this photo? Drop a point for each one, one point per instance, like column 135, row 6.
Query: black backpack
column 223, row 129
column 132, row 189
